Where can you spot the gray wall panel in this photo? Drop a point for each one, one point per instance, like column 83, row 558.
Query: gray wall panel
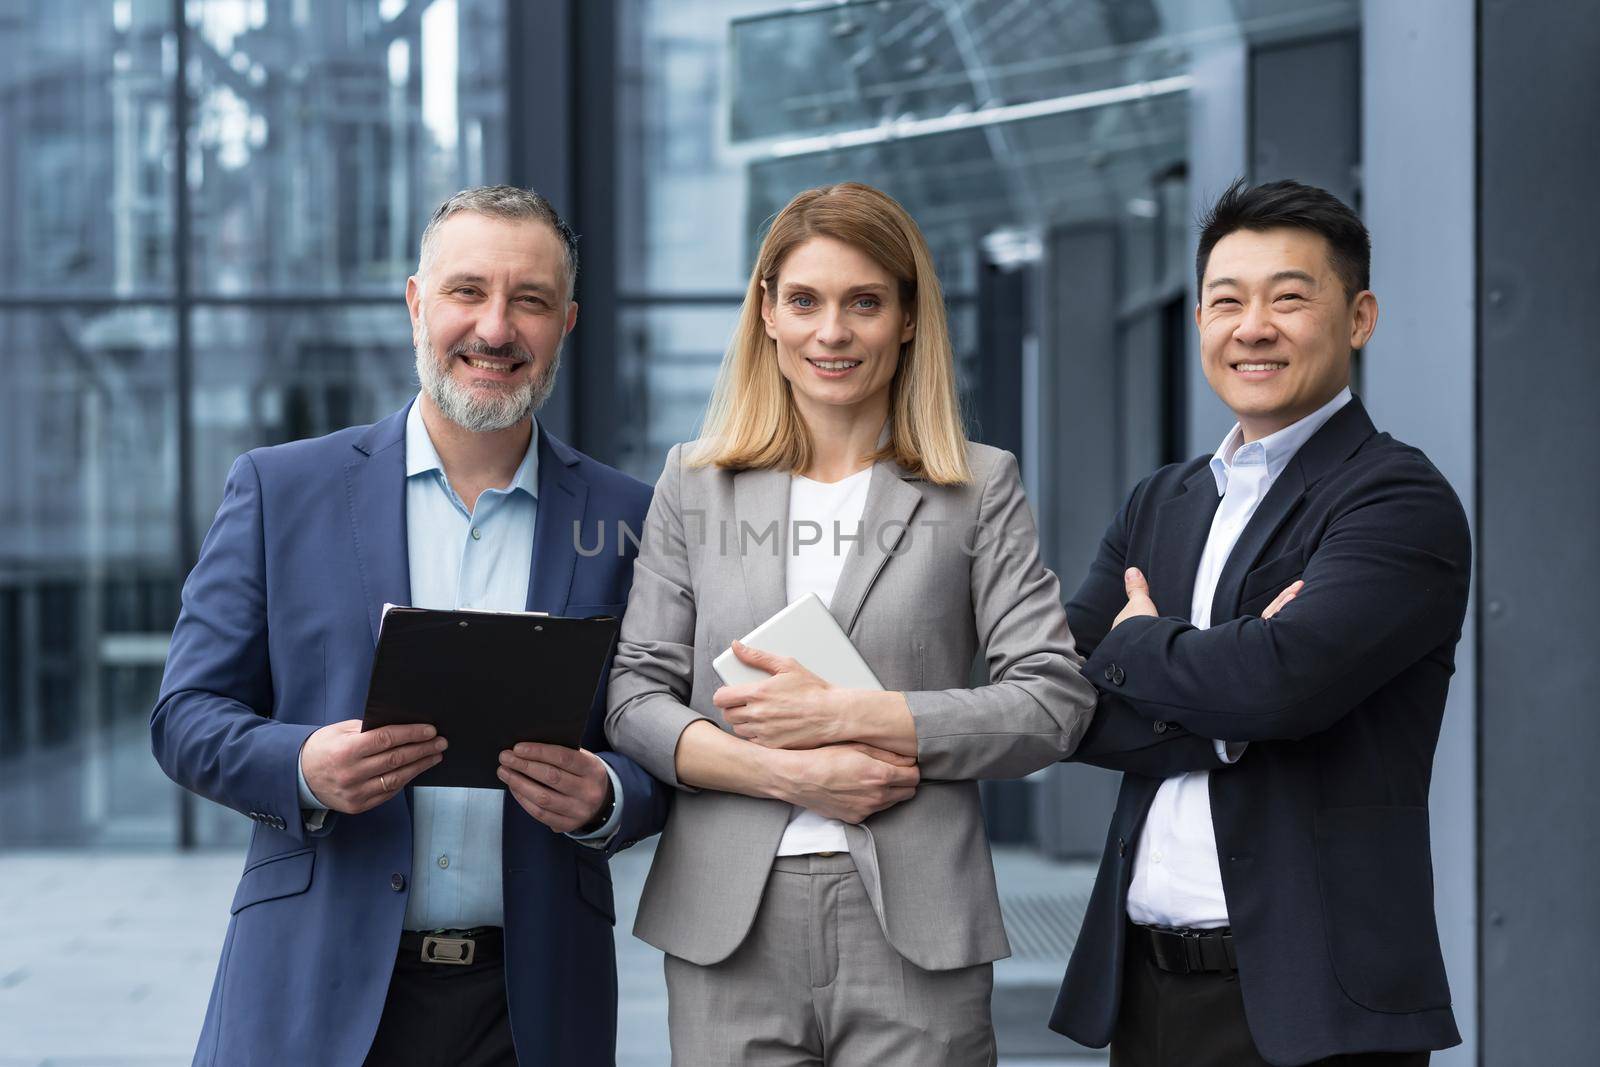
column 1218, row 153
column 1081, row 391
column 1420, row 370
column 1305, row 113
column 1082, row 485
column 1539, row 509
column 1142, row 370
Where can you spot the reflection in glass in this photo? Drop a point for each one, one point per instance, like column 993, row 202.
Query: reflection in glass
column 817, row 69
column 681, row 188
column 265, row 376
column 666, row 366
column 86, row 200
column 88, row 582
column 835, row 67
column 323, row 135
column 963, row 186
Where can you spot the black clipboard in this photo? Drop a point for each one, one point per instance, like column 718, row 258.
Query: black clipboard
column 486, row 680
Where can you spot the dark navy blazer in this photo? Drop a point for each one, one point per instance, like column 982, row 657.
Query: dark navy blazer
column 1322, row 826
column 275, row 639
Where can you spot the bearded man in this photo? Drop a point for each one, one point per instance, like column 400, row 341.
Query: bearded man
column 376, row 923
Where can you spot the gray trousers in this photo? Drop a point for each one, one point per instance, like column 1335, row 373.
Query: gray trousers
column 816, row 983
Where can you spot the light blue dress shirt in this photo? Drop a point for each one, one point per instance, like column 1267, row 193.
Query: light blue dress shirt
column 1274, row 451
column 477, row 560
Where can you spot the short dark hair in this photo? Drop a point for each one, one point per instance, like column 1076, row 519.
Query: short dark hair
column 1297, row 206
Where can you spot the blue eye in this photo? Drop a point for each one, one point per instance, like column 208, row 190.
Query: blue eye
column 801, row 300
column 869, row 302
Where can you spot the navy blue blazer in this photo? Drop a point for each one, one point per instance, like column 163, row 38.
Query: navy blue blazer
column 1322, row 826
column 275, row 639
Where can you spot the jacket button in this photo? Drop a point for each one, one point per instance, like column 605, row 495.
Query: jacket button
column 1111, row 672
column 1122, row 846
column 1162, row 727
column 1116, row 674
column 397, row 882
column 278, row 823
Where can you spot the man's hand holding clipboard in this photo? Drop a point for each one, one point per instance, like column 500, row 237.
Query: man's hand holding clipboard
column 511, row 692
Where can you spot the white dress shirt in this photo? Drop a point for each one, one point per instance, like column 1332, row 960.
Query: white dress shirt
column 1177, row 879
column 820, row 512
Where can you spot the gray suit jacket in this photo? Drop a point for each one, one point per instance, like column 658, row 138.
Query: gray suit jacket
column 941, row 573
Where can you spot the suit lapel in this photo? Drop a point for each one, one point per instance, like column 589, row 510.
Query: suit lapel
column 1270, row 514
column 1182, row 524
column 563, row 495
column 891, row 501
column 375, row 486
column 759, row 497
column 1330, row 446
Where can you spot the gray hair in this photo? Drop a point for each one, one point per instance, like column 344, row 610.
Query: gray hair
column 501, row 202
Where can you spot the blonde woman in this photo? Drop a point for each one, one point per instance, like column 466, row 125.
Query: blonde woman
column 823, row 890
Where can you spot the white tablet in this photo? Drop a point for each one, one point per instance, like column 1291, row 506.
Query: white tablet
column 805, row 631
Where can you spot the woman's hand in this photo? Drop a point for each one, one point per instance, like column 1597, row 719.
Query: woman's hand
column 792, row 709
column 848, row 782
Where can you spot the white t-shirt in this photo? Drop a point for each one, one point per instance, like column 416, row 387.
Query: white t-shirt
column 819, row 513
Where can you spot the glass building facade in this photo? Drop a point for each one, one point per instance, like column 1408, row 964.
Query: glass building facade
column 210, row 208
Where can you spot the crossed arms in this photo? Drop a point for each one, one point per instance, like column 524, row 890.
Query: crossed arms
column 1384, row 585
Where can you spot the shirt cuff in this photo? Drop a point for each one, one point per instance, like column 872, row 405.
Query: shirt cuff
column 1230, row 751
column 602, row 837
column 313, row 812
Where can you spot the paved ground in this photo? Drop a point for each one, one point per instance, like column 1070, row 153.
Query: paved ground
column 107, row 957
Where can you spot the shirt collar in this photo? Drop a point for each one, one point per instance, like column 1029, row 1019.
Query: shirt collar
column 1275, row 450
column 422, row 457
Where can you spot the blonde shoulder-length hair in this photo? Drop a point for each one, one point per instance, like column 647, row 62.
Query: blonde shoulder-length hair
column 752, row 421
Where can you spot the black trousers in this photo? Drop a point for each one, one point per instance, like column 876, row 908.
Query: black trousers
column 445, row 1015
column 1197, row 1020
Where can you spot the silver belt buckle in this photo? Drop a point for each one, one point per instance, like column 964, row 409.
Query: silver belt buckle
column 457, row 951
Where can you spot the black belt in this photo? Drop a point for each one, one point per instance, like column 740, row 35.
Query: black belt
column 481, row 944
column 1184, row 951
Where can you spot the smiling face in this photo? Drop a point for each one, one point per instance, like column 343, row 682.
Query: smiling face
column 488, row 318
column 1277, row 327
column 838, row 322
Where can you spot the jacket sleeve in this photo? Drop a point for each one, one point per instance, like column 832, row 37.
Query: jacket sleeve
column 643, row 802
column 210, row 729
column 653, row 672
column 1385, row 585
column 1118, row 738
column 1036, row 703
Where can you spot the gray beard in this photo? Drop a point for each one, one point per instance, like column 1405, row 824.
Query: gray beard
column 471, row 409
